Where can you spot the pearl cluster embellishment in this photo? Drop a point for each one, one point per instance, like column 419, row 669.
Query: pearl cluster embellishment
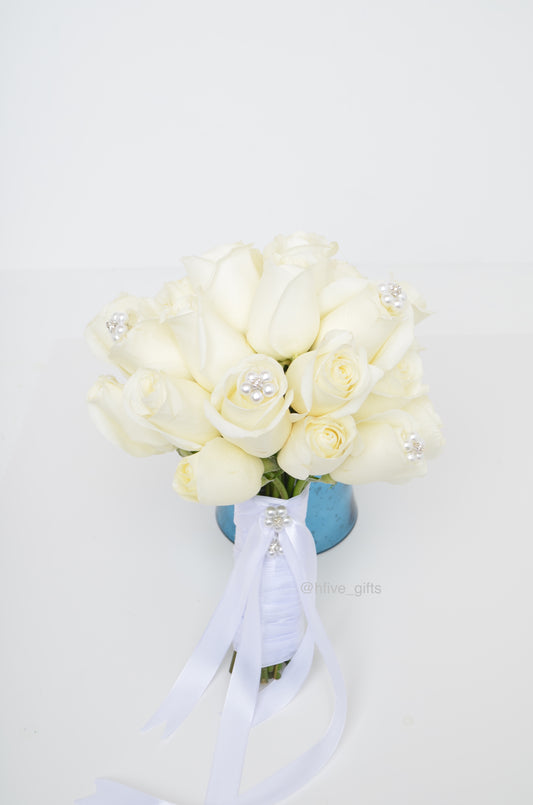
column 276, row 517
column 258, row 385
column 118, row 326
column 414, row 447
column 392, row 295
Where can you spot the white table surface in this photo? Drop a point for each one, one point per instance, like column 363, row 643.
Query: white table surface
column 107, row 578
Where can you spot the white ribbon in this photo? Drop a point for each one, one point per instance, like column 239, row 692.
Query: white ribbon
column 238, row 618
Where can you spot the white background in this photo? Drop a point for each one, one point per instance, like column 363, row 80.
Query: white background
column 132, row 133
column 135, row 132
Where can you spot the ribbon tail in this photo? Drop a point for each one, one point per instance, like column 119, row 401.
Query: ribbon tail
column 110, row 793
column 205, row 660
column 238, row 713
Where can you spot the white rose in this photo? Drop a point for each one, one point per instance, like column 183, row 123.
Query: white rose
column 338, row 282
column 173, row 407
column 106, row 407
column 388, row 448
column 418, row 303
column 399, row 385
column 427, row 423
column 128, row 333
column 300, row 249
column 208, row 343
column 250, row 406
column 284, row 318
column 317, row 445
column 381, row 324
column 220, row 474
column 174, row 298
column 334, row 377
column 228, row 276
column 285, row 313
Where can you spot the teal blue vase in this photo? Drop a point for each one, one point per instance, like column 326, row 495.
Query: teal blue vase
column 331, row 515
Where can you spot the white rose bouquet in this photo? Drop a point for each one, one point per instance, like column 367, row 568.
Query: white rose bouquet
column 267, row 371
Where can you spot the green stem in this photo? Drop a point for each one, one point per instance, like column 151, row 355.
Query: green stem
column 278, row 486
column 300, row 485
column 290, row 485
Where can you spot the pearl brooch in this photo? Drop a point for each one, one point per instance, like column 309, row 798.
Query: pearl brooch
column 258, row 385
column 392, row 295
column 276, row 517
column 414, row 447
column 118, row 326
